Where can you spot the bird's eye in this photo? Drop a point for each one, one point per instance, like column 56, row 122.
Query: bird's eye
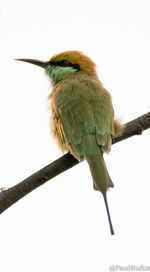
column 65, row 63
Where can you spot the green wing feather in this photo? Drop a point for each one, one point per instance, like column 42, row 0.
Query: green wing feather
column 83, row 116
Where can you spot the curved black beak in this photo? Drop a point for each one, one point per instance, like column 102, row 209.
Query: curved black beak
column 40, row 63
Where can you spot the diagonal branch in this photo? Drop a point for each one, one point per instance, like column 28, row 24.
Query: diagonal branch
column 12, row 195
column 134, row 127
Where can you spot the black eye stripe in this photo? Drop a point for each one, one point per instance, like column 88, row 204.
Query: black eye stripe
column 63, row 64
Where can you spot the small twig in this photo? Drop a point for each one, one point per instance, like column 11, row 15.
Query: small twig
column 11, row 195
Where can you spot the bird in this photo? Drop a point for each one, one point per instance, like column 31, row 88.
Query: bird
column 82, row 115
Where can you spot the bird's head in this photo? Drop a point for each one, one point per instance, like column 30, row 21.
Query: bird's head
column 65, row 64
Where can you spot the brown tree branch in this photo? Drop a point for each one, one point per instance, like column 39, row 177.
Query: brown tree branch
column 11, row 195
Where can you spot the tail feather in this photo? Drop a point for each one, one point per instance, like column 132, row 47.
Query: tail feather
column 101, row 179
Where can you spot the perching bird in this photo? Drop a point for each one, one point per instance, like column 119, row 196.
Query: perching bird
column 82, row 118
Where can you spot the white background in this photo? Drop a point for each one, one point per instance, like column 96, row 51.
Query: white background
column 62, row 226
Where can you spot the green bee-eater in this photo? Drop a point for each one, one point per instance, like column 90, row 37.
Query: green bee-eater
column 82, row 118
